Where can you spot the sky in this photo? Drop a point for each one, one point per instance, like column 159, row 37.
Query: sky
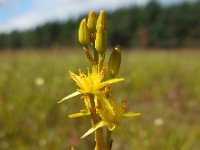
column 26, row 14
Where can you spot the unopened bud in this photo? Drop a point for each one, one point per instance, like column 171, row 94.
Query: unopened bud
column 72, row 148
column 114, row 62
column 102, row 20
column 83, row 33
column 100, row 42
column 92, row 20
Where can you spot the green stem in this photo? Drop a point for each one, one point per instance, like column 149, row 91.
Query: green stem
column 101, row 61
column 95, row 119
column 108, row 140
column 89, row 57
column 99, row 138
column 96, row 55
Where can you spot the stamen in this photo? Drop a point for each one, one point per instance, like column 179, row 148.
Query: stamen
column 124, row 101
column 112, row 99
column 105, row 68
column 124, row 106
column 103, row 92
column 84, row 96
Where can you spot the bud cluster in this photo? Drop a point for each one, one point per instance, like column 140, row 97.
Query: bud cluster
column 93, row 33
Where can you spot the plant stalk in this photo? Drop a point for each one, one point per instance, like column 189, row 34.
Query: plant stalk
column 108, row 140
column 98, row 132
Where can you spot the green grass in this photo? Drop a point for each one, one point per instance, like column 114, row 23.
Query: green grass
column 161, row 85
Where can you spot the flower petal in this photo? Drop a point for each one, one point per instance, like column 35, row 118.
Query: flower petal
column 95, row 127
column 111, row 81
column 127, row 115
column 105, row 102
column 84, row 112
column 70, row 96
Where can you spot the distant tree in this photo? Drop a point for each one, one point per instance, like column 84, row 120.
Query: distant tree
column 15, row 40
column 152, row 25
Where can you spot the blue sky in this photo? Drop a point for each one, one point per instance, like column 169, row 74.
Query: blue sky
column 25, row 14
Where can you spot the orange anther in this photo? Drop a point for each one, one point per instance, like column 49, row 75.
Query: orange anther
column 124, row 106
column 124, row 101
column 102, row 75
column 105, row 68
column 112, row 99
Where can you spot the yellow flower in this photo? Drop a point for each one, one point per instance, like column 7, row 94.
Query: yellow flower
column 108, row 119
column 91, row 83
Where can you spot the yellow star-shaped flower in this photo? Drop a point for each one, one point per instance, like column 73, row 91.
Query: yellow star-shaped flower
column 91, row 83
column 108, row 119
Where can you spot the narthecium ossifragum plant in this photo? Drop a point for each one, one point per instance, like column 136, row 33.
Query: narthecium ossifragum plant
column 92, row 88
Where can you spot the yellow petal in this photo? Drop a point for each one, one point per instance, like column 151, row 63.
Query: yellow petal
column 77, row 79
column 111, row 81
column 70, row 96
column 84, row 112
column 105, row 102
column 95, row 127
column 127, row 115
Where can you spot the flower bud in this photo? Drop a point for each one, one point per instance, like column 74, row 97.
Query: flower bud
column 92, row 20
column 102, row 20
column 100, row 42
column 114, row 62
column 83, row 33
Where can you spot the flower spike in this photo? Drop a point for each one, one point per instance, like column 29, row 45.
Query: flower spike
column 94, row 90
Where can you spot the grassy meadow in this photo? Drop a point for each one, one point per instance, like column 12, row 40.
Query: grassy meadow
column 163, row 85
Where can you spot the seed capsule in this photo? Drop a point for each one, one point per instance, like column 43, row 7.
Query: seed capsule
column 114, row 62
column 92, row 20
column 102, row 20
column 101, row 41
column 83, row 33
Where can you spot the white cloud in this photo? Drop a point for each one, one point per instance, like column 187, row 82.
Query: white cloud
column 42, row 11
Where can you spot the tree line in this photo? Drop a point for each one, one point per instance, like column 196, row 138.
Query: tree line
column 152, row 25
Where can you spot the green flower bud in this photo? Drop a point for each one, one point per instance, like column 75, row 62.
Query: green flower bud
column 102, row 20
column 92, row 20
column 100, row 42
column 114, row 62
column 83, row 33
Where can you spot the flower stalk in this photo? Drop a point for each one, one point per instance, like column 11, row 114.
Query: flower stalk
column 96, row 92
column 98, row 132
column 108, row 140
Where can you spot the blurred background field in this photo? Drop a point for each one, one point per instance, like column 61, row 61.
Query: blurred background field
column 162, row 85
column 160, row 42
